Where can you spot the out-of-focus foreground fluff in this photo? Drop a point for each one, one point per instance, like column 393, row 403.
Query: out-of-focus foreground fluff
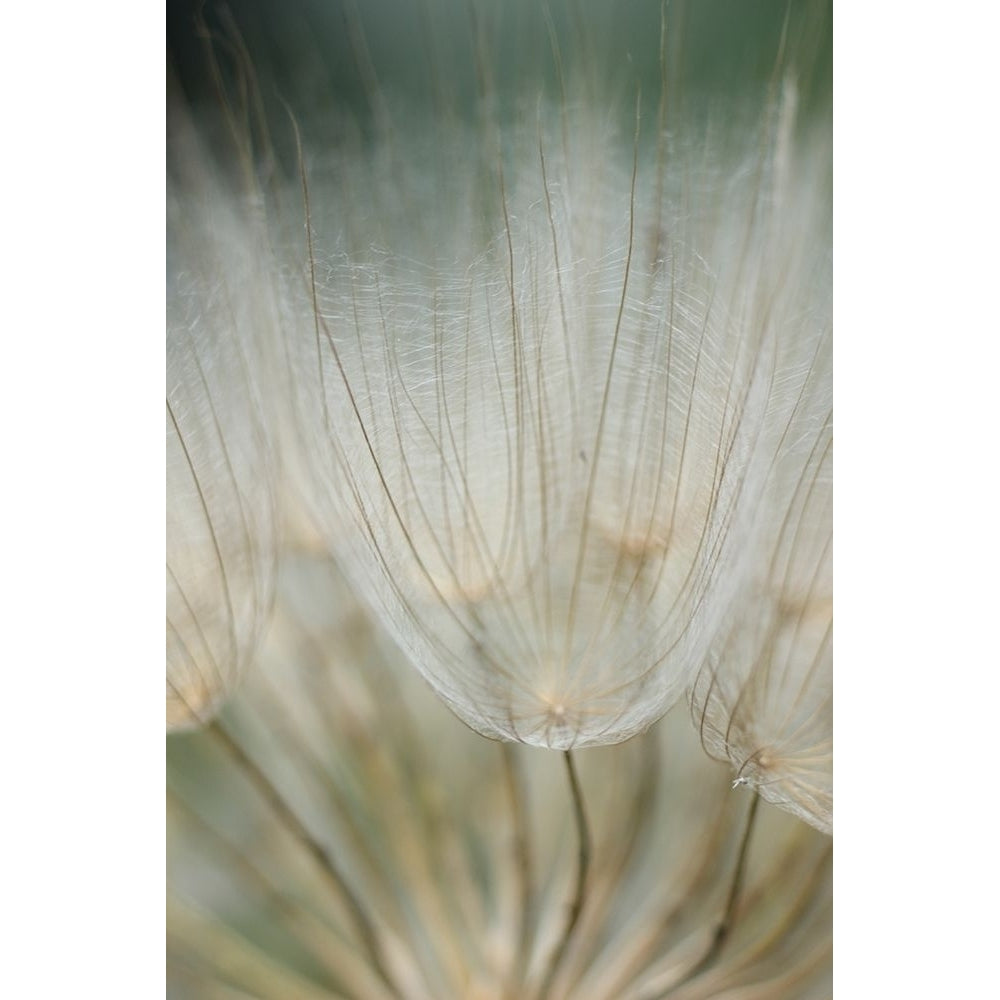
column 221, row 544
column 499, row 381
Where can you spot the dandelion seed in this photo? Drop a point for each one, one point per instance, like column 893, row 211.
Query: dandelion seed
column 220, row 500
column 458, row 393
column 763, row 700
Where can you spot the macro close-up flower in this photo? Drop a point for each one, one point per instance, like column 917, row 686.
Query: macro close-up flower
column 499, row 451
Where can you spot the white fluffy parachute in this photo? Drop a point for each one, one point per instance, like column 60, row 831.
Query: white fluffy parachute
column 763, row 699
column 541, row 407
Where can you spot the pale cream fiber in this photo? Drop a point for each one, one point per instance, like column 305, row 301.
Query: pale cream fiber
column 537, row 448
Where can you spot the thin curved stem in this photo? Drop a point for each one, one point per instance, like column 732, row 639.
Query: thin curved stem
column 525, row 867
column 291, row 821
column 725, row 925
column 582, row 870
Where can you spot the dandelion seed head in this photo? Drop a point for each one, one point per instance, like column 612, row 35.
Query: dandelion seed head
column 542, row 407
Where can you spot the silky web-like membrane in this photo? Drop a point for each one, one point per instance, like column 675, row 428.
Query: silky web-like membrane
column 536, row 438
column 763, row 698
